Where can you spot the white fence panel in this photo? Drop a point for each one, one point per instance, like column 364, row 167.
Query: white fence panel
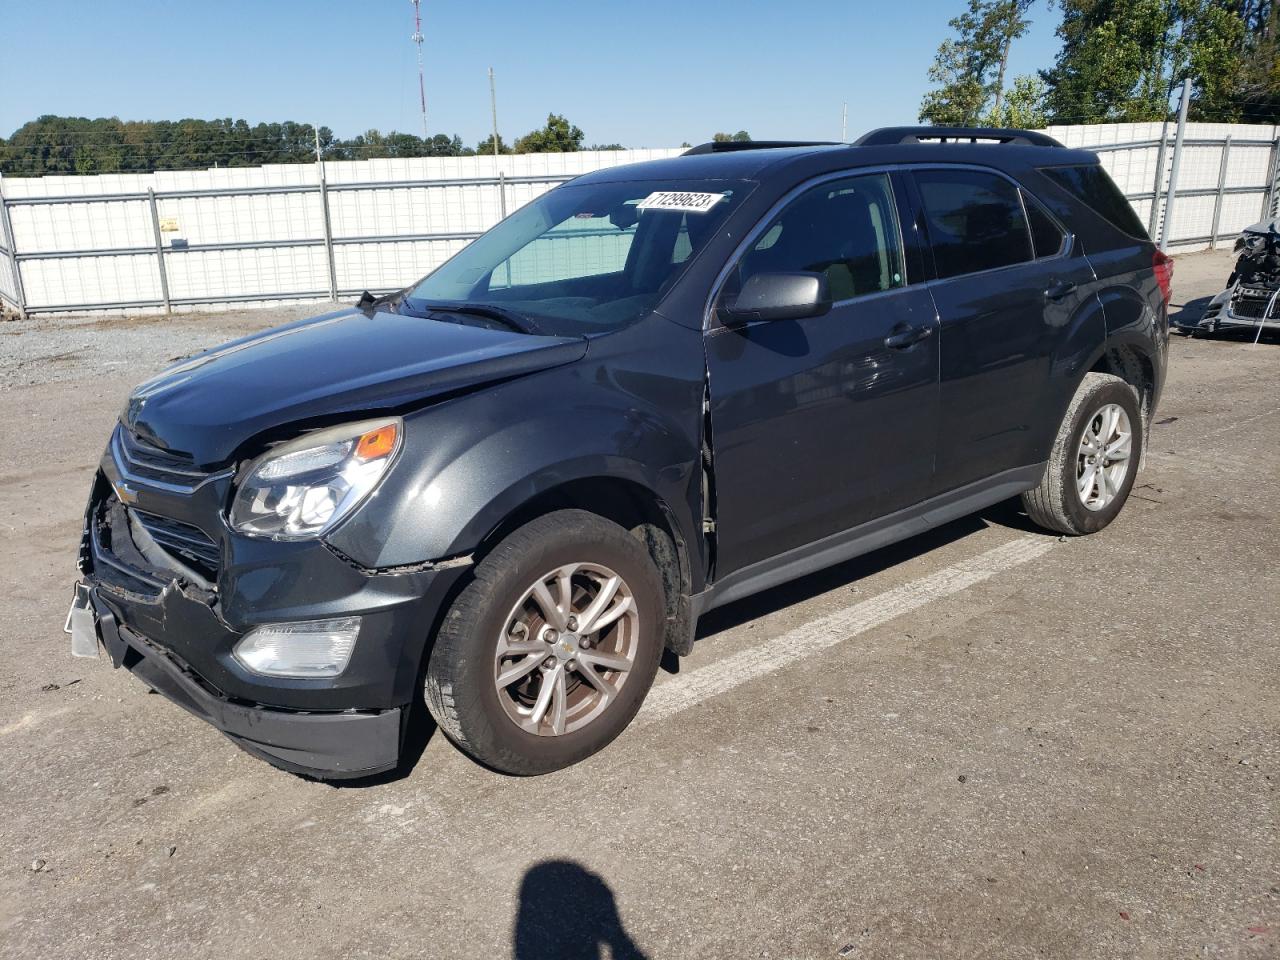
column 249, row 235
column 1248, row 189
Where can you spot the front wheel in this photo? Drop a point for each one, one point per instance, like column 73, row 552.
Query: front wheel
column 1094, row 460
column 547, row 654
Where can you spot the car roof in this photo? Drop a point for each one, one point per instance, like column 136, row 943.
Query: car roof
column 813, row 159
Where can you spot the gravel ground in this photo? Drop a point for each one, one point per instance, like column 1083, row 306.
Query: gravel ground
column 1071, row 751
column 69, row 349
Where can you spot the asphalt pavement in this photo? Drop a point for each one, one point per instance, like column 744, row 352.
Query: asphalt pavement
column 983, row 742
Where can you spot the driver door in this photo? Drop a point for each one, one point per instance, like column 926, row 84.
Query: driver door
column 827, row 422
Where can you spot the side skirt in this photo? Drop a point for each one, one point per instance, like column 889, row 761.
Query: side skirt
column 866, row 537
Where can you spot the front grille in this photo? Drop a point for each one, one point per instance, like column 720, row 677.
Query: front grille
column 188, row 544
column 145, row 461
column 1251, row 309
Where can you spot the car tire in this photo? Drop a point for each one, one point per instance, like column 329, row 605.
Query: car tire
column 1060, row 502
column 495, row 626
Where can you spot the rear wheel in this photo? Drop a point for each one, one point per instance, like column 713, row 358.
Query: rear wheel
column 547, row 655
column 1094, row 460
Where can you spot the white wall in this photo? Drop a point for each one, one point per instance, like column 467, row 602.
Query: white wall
column 393, row 211
column 1134, row 171
column 460, row 208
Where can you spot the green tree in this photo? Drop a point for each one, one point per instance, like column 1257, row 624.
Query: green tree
column 1023, row 106
column 969, row 69
column 61, row 145
column 1259, row 79
column 1121, row 60
column 485, row 147
column 740, row 137
column 558, row 136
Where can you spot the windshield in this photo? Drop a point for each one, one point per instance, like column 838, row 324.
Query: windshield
column 584, row 258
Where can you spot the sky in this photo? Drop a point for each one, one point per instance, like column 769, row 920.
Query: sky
column 643, row 73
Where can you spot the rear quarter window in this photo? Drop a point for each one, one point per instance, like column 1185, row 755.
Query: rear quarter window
column 1091, row 184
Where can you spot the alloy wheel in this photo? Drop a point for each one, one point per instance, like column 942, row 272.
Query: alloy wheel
column 566, row 649
column 1103, row 458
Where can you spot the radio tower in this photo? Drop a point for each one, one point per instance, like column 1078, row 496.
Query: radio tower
column 417, row 39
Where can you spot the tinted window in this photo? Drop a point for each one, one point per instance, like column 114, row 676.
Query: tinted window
column 1046, row 235
column 1092, row 185
column 586, row 245
column 845, row 229
column 975, row 221
column 585, row 257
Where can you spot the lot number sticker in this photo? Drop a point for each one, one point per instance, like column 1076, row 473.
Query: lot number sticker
column 688, row 202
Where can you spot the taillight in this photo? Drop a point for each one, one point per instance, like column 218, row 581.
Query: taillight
column 1162, row 263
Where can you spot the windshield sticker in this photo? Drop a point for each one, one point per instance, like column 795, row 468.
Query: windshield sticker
column 688, row 202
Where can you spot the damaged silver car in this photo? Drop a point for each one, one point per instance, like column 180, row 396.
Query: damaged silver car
column 1252, row 297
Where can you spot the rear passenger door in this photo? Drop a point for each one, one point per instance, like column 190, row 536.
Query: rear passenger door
column 1008, row 280
column 827, row 422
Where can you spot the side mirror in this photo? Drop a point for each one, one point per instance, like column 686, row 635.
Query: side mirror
column 779, row 296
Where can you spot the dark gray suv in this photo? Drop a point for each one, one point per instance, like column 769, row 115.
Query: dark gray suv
column 651, row 391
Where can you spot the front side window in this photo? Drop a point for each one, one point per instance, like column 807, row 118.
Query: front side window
column 846, row 230
column 585, row 258
column 975, row 221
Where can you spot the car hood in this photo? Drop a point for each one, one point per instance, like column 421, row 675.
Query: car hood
column 346, row 362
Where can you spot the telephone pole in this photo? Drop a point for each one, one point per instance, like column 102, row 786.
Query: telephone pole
column 422, row 84
column 493, row 108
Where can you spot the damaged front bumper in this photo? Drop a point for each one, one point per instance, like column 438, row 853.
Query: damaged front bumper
column 325, row 745
column 1235, row 309
column 170, row 610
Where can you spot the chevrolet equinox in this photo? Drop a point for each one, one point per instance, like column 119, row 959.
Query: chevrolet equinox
column 649, row 392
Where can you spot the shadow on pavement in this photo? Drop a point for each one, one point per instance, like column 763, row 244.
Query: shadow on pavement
column 1007, row 514
column 1190, row 312
column 418, row 732
column 844, row 574
column 569, row 913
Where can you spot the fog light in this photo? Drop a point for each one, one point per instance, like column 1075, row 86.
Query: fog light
column 310, row 649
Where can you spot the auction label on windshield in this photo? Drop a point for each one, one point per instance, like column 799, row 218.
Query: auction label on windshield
column 688, row 202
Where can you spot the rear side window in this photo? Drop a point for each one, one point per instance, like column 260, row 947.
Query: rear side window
column 975, row 221
column 1092, row 185
column 1046, row 236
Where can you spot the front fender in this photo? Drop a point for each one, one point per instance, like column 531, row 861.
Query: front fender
column 469, row 463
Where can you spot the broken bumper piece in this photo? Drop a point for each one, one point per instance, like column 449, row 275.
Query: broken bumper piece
column 330, row 746
column 1235, row 309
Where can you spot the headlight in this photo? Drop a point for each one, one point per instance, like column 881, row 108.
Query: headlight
column 301, row 489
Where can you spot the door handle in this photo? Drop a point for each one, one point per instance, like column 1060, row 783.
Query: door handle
column 1060, row 291
column 905, row 338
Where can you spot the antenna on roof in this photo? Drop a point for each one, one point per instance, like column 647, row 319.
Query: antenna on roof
column 422, row 84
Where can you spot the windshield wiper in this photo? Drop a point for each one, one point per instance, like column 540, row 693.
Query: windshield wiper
column 509, row 318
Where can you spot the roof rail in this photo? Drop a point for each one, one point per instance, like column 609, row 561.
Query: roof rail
column 887, row 136
column 729, row 146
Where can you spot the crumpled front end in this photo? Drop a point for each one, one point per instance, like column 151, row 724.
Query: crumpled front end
column 1240, row 306
column 173, row 590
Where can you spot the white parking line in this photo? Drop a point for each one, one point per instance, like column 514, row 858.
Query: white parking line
column 688, row 689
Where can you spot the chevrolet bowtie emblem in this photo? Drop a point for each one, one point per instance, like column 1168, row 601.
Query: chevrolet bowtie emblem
column 125, row 493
